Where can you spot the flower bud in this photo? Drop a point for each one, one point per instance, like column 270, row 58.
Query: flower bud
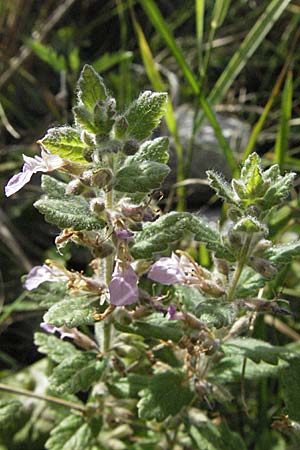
column 130, row 147
column 222, row 266
column 120, row 126
column 96, row 178
column 262, row 266
column 97, row 206
column 261, row 247
column 87, row 138
column 75, row 187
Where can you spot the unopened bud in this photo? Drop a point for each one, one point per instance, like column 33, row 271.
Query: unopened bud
column 120, row 127
column 130, row 147
column 87, row 138
column 97, row 206
column 75, row 187
column 263, row 266
column 96, row 178
column 234, row 214
column 222, row 266
column 261, row 247
column 235, row 240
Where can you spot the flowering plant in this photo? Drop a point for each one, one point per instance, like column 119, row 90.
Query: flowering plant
column 136, row 364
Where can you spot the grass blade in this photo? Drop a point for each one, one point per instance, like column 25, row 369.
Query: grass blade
column 200, row 10
column 158, row 85
column 281, row 145
column 159, row 23
column 252, row 41
column 275, row 91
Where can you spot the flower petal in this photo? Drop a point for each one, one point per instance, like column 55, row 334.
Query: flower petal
column 123, row 288
column 166, row 271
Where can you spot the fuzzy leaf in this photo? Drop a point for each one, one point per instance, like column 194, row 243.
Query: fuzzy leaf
column 47, row 293
column 209, row 436
column 140, row 176
column 144, row 114
column 10, row 415
column 165, row 396
column 221, row 187
column 76, row 373
column 216, row 313
column 255, row 349
column 282, row 253
column 69, row 213
column 291, row 389
column 84, row 118
column 72, row 433
column 91, row 88
column 253, row 179
column 156, row 150
column 65, row 142
column 154, row 326
column 53, row 187
column 73, row 312
column 55, row 348
column 249, row 283
column 279, row 190
column 250, row 225
column 173, row 227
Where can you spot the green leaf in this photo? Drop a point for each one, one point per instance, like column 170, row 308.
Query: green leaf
column 155, row 326
column 65, row 142
column 254, row 349
column 76, row 373
column 72, row 433
column 73, row 312
column 47, row 293
column 221, row 187
column 53, row 187
column 279, row 190
column 165, row 396
column 291, row 388
column 249, row 283
column 48, row 55
column 69, row 213
column 84, row 118
column 10, row 415
column 250, row 225
column 215, row 313
column 141, row 176
column 144, row 114
column 157, row 236
column 91, row 88
column 252, row 177
column 209, row 436
column 155, row 150
column 282, row 253
column 56, row 349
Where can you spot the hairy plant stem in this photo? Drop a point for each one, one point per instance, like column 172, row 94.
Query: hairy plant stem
column 47, row 398
column 109, row 264
column 239, row 268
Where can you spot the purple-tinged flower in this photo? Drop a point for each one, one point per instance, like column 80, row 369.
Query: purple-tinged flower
column 64, row 331
column 72, row 333
column 40, row 274
column 172, row 313
column 123, row 288
column 167, row 271
column 124, row 234
column 44, row 163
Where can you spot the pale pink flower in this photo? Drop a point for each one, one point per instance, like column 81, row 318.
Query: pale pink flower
column 40, row 274
column 123, row 288
column 167, row 271
column 44, row 163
